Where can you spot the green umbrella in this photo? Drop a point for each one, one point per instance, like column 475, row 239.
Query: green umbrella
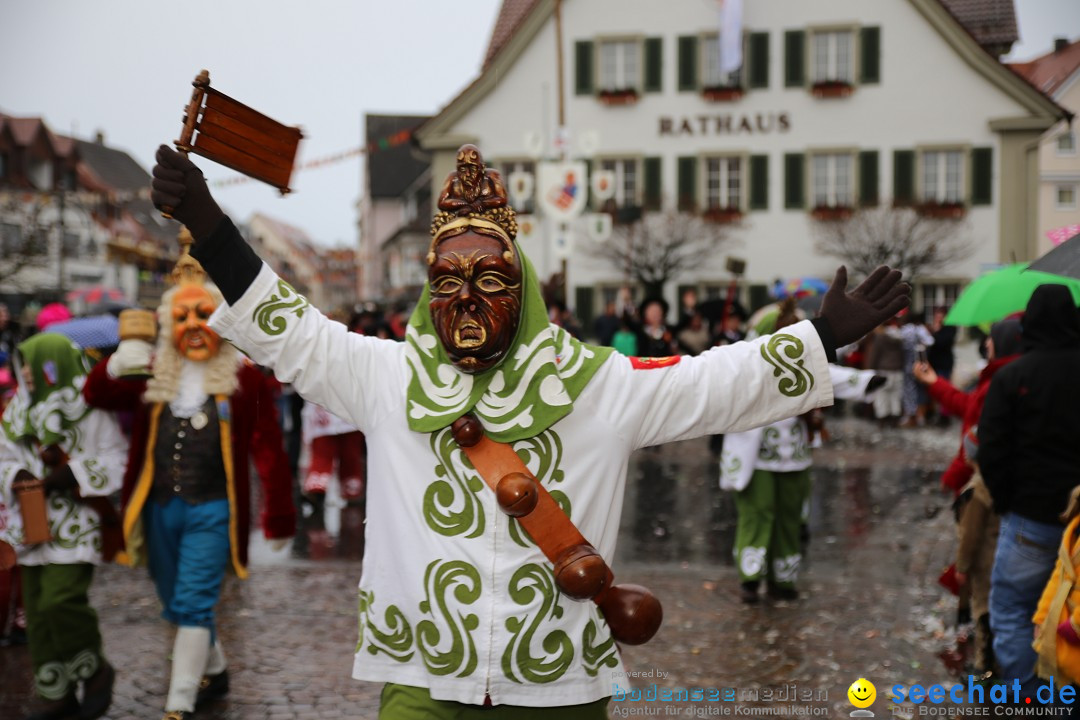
column 1001, row 293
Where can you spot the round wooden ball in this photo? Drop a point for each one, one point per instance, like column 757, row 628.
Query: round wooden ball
column 581, row 573
column 467, row 431
column 633, row 613
column 517, row 494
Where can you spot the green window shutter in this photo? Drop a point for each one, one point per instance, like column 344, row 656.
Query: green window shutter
column 583, row 67
column 794, row 175
column 794, row 58
column 688, row 183
column 653, row 193
column 688, row 63
column 758, row 54
column 903, row 177
column 868, row 178
column 589, row 200
column 583, row 306
column 870, row 55
column 982, row 176
column 654, row 74
column 759, row 182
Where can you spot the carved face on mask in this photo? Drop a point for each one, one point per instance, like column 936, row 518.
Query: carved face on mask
column 192, row 337
column 475, row 299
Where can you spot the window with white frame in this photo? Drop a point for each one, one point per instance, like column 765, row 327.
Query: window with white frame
column 711, row 77
column 833, row 56
column 626, row 180
column 620, row 65
column 943, row 176
column 723, row 182
column 833, row 181
column 1066, row 143
column 939, row 295
column 1066, row 197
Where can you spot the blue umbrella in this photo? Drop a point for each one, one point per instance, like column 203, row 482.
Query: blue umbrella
column 96, row 331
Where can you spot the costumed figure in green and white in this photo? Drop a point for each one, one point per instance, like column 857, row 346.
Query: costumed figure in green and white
column 50, row 434
column 458, row 606
column 768, row 469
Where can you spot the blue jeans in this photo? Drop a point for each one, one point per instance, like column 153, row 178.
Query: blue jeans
column 1024, row 560
column 188, row 553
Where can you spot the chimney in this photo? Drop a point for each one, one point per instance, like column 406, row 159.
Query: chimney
column 1060, row 44
column 99, row 137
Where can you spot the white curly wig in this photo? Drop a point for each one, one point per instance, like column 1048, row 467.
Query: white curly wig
column 220, row 370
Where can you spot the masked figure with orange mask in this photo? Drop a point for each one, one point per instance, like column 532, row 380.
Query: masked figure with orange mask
column 186, row 503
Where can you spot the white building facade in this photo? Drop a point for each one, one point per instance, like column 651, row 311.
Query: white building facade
column 838, row 105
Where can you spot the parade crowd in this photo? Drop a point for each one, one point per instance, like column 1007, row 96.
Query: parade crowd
column 170, row 425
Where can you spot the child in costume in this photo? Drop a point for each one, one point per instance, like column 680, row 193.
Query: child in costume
column 49, row 433
column 459, row 608
column 1057, row 619
column 768, row 468
column 199, row 419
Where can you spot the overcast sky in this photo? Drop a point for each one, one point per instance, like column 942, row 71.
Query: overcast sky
column 125, row 67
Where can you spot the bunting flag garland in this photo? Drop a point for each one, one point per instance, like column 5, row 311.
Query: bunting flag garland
column 385, row 143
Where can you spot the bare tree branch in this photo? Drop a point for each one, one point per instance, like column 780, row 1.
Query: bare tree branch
column 901, row 238
column 660, row 247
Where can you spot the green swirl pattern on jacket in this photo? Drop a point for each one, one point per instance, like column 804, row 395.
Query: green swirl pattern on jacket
column 72, row 528
column 518, row 662
column 451, row 506
column 770, row 444
column 778, row 351
column 543, row 456
column 458, row 655
column 267, row 316
column 801, row 441
column 595, row 655
column 95, row 474
column 396, row 641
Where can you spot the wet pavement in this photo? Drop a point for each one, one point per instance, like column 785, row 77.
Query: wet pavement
column 880, row 533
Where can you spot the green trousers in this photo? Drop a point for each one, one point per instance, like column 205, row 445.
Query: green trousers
column 403, row 702
column 767, row 534
column 62, row 628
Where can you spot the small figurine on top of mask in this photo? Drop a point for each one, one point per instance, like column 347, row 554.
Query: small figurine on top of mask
column 186, row 503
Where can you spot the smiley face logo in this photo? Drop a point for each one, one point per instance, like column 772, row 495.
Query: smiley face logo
column 862, row 693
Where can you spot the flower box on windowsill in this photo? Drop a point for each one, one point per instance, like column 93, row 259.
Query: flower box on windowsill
column 831, row 213
column 722, row 94
column 832, row 89
column 618, row 97
column 942, row 211
column 722, row 215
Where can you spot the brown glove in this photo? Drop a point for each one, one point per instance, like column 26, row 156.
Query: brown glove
column 60, row 479
column 853, row 314
column 180, row 186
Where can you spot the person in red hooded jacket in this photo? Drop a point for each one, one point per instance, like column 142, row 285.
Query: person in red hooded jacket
column 1003, row 346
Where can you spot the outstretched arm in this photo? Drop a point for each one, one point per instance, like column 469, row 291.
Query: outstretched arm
column 265, row 317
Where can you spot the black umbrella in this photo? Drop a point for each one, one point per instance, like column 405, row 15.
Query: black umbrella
column 1062, row 260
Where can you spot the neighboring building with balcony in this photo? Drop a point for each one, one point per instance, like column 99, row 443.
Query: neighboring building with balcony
column 291, row 253
column 76, row 214
column 836, row 106
column 1057, row 74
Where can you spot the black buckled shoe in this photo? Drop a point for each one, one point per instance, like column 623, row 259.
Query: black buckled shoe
column 212, row 687
column 748, row 592
column 97, row 692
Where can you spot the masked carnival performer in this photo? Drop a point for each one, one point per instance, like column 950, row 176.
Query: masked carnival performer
column 51, row 435
column 203, row 413
column 459, row 607
column 768, row 468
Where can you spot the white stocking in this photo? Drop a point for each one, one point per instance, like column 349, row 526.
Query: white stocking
column 190, row 654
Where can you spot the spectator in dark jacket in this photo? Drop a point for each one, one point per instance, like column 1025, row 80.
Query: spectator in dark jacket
column 1003, row 346
column 1029, row 455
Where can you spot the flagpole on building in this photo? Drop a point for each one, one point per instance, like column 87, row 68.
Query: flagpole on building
column 561, row 129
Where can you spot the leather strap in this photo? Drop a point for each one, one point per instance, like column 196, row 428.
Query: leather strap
column 552, row 531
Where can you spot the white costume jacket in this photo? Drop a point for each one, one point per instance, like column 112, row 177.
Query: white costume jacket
column 454, row 597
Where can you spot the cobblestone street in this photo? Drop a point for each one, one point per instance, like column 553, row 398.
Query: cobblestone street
column 881, row 532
